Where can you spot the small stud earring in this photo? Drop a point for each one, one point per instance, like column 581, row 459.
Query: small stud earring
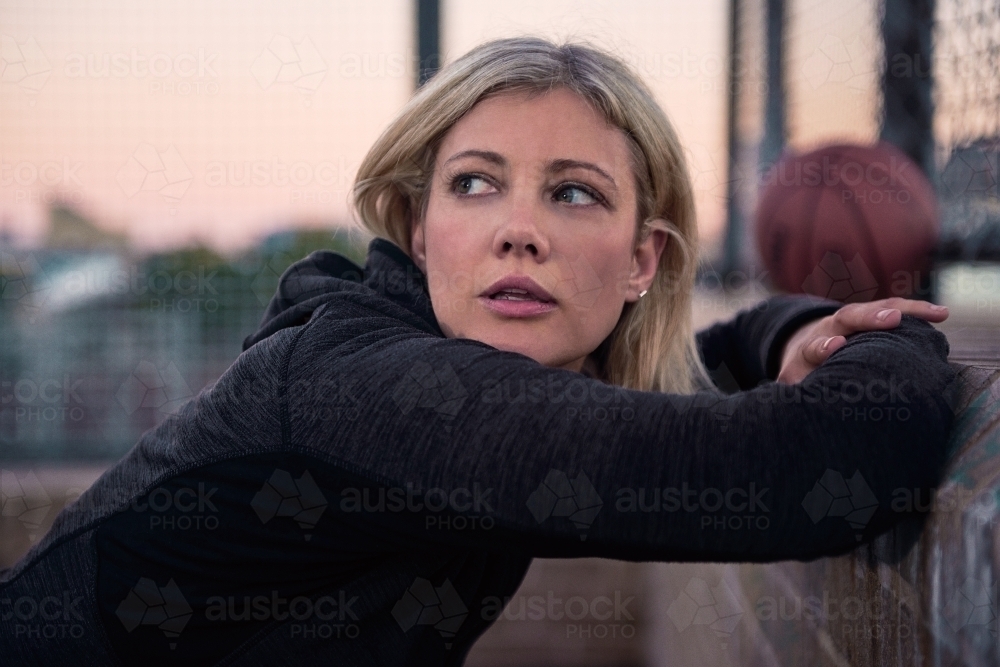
column 642, row 293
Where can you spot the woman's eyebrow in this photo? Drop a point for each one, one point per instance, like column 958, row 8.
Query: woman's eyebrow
column 489, row 156
column 562, row 165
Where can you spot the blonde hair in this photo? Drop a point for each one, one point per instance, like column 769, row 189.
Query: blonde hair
column 652, row 347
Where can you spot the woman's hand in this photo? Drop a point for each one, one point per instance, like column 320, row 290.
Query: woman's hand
column 811, row 345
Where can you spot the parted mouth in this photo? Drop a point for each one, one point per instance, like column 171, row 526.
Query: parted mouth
column 517, row 288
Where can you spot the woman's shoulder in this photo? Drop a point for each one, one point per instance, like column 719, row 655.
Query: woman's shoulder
column 327, row 286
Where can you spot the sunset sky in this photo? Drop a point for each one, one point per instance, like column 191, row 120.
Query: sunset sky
column 147, row 115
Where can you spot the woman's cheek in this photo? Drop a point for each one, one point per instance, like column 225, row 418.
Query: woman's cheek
column 449, row 306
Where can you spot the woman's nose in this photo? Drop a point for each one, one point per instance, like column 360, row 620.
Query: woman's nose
column 521, row 235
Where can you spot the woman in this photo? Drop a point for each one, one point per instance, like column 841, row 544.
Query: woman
column 512, row 375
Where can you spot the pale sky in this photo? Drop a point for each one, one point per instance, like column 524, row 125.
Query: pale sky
column 146, row 115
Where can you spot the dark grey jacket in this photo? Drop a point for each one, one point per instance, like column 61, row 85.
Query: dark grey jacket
column 359, row 489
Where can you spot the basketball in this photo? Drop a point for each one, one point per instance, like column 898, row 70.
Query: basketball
column 847, row 222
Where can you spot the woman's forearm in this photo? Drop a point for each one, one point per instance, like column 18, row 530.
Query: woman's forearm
column 458, row 416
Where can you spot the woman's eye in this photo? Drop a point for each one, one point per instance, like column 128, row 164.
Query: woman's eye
column 573, row 194
column 471, row 185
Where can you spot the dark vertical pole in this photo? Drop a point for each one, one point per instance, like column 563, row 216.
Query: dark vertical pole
column 907, row 79
column 774, row 101
column 734, row 220
column 907, row 83
column 428, row 39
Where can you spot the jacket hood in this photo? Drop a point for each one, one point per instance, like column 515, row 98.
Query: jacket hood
column 315, row 280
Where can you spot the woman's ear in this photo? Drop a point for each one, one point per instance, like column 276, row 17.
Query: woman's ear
column 645, row 260
column 418, row 249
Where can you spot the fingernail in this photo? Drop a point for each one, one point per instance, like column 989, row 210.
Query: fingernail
column 882, row 314
column 940, row 307
column 826, row 345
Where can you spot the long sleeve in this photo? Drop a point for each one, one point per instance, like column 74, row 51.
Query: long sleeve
column 750, row 344
column 568, row 466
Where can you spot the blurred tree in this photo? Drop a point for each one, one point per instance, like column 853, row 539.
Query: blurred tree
column 298, row 243
column 71, row 230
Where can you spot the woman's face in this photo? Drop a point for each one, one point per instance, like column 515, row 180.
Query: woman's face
column 528, row 236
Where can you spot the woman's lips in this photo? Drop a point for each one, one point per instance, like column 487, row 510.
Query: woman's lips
column 516, row 305
column 517, row 296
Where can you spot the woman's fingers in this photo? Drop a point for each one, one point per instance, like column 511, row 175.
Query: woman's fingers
column 814, row 343
column 885, row 314
column 922, row 309
column 817, row 351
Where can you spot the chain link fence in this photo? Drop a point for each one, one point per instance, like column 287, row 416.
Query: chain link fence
column 100, row 346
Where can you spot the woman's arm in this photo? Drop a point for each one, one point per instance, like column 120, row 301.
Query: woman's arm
column 789, row 336
column 561, row 465
column 750, row 344
column 814, row 342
